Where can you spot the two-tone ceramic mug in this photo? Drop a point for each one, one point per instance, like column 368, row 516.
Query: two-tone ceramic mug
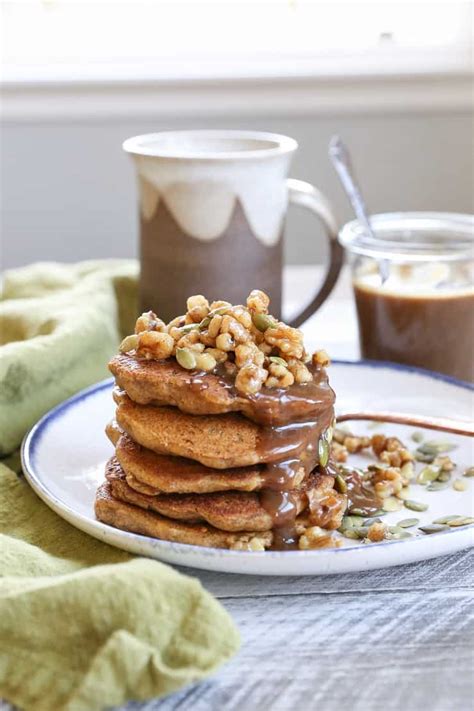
column 212, row 212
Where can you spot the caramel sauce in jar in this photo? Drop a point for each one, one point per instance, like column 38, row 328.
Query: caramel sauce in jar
column 429, row 329
column 413, row 284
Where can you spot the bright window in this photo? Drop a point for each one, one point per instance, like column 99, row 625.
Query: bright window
column 63, row 39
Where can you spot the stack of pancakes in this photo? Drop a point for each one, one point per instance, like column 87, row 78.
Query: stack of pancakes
column 188, row 463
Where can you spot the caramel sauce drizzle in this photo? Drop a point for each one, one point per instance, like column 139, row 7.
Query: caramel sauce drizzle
column 292, row 421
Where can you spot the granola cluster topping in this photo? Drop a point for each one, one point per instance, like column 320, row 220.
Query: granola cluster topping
column 254, row 347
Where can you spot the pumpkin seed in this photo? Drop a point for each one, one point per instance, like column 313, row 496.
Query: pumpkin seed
column 262, row 321
column 370, row 521
column 186, row 358
column 350, row 533
column 434, row 528
column 184, row 330
column 439, row 446
column 392, row 504
column 129, row 343
column 408, row 522
column 351, row 521
column 340, row 484
column 402, row 534
column 427, row 448
column 469, row 472
column 205, row 322
column 461, row 522
column 357, row 512
column 361, row 531
column 460, row 485
column 444, row 476
column 417, row 436
column 437, row 486
column 278, row 361
column 428, row 451
column 395, row 529
column 219, row 311
column 415, row 505
column 427, row 474
column 425, row 458
column 329, row 433
column 323, row 451
column 379, row 512
column 447, row 519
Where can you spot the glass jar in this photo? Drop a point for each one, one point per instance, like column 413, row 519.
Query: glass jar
column 414, row 289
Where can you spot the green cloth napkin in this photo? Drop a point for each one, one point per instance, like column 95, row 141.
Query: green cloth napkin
column 59, row 325
column 83, row 626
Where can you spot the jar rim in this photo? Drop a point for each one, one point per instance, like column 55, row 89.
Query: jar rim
column 413, row 236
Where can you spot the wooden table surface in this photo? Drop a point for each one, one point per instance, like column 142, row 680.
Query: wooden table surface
column 399, row 639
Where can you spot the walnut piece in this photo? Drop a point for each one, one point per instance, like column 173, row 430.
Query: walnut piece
column 258, row 302
column 316, row 537
column 248, row 544
column 149, row 321
column 390, row 450
column 154, row 344
column 377, row 532
column 250, row 379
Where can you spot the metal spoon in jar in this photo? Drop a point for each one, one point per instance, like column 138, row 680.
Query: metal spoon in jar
column 341, row 160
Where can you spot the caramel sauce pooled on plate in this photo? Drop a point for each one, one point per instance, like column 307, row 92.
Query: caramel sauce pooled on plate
column 359, row 495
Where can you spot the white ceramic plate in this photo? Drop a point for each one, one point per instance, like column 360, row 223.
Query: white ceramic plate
column 65, row 452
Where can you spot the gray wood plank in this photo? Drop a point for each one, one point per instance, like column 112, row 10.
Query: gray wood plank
column 454, row 571
column 401, row 639
column 392, row 651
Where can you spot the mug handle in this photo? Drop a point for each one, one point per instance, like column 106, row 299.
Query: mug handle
column 306, row 195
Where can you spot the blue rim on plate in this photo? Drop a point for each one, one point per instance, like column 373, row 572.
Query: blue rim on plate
column 32, row 437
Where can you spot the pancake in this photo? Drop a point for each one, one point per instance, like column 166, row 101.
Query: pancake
column 176, row 475
column 137, row 520
column 140, row 487
column 217, row 441
column 226, row 510
column 326, row 506
column 164, row 382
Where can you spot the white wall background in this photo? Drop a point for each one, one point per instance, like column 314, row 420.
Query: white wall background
column 68, row 191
